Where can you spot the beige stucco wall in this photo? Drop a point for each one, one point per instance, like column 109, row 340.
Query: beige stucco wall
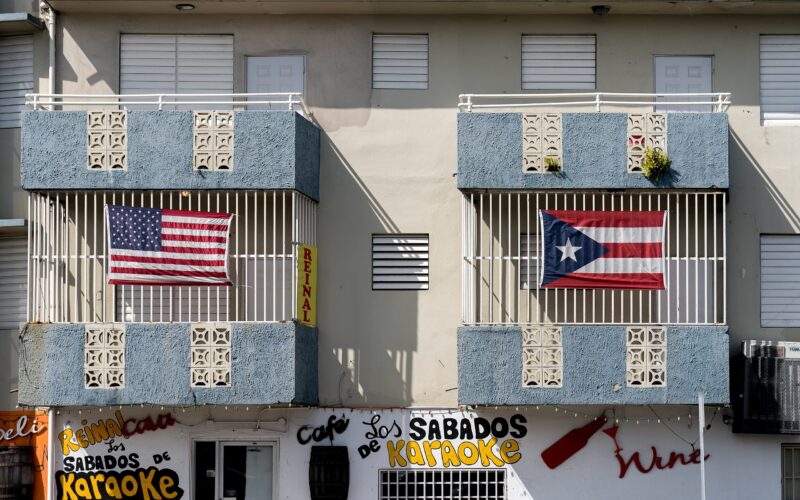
column 388, row 159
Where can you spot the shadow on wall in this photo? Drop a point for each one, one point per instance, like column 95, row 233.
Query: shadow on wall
column 9, row 374
column 756, row 206
column 366, row 337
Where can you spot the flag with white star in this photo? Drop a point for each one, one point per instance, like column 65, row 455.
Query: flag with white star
column 603, row 249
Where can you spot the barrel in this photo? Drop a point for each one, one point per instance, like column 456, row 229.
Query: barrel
column 329, row 473
column 16, row 472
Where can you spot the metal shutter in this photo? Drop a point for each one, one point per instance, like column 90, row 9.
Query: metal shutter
column 13, row 281
column 780, row 280
column 175, row 64
column 400, row 61
column 16, row 77
column 400, row 262
column 780, row 79
column 558, row 62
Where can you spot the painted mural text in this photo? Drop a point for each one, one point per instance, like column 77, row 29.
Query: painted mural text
column 105, row 429
column 101, row 463
column 21, row 429
column 139, row 484
column 656, row 461
column 375, row 432
column 335, row 425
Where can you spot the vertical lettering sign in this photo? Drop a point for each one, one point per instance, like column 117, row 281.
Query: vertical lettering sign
column 307, row 285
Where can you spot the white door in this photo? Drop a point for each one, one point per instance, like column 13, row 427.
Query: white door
column 267, row 74
column 683, row 75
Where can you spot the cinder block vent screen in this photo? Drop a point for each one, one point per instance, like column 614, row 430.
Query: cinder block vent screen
column 558, row 62
column 438, row 484
column 400, row 262
column 399, row 61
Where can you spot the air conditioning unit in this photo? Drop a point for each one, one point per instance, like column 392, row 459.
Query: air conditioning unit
column 767, row 388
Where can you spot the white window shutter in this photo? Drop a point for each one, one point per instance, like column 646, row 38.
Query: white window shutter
column 16, row 77
column 13, row 281
column 399, row 61
column 176, row 64
column 780, row 79
column 780, row 280
column 400, row 262
column 558, row 62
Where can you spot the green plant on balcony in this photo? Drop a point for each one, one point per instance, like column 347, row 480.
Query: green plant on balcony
column 655, row 164
column 552, row 164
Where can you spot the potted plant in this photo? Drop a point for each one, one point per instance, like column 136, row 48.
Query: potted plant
column 655, row 163
column 552, row 164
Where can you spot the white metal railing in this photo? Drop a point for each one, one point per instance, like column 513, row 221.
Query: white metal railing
column 713, row 101
column 67, row 263
column 501, row 268
column 274, row 100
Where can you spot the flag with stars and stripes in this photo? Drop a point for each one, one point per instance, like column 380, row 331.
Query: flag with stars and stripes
column 600, row 249
column 154, row 246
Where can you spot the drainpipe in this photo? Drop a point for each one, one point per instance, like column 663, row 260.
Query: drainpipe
column 702, row 424
column 49, row 14
column 50, row 482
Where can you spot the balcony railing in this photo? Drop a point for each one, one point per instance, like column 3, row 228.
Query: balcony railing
column 501, row 268
column 599, row 101
column 291, row 101
column 68, row 258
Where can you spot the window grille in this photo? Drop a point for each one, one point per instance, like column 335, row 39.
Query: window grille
column 443, row 484
column 400, row 262
column 399, row 61
column 558, row 62
column 104, row 356
column 67, row 258
column 501, row 265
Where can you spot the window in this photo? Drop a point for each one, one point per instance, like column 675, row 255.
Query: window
column 646, row 356
column 399, row 61
column 176, row 64
column 400, row 262
column 443, row 484
column 13, row 270
column 104, row 356
column 683, row 75
column 558, row 62
column 275, row 74
column 16, row 77
column 234, row 470
column 780, row 287
column 780, row 79
column 790, row 477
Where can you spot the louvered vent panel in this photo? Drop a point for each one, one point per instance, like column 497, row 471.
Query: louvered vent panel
column 13, row 281
column 16, row 77
column 780, row 280
column 558, row 62
column 780, row 79
column 400, row 61
column 400, row 262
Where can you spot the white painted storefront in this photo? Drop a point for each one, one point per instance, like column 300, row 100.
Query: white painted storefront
column 161, row 463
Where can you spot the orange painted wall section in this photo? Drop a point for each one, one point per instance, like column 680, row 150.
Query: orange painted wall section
column 8, row 421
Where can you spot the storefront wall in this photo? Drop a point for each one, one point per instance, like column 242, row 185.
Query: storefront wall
column 148, row 461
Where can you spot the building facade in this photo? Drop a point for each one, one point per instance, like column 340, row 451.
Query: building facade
column 415, row 147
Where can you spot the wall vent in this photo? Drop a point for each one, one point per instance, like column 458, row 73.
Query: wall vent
column 400, row 262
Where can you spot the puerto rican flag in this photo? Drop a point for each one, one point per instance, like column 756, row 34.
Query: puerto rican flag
column 154, row 246
column 601, row 249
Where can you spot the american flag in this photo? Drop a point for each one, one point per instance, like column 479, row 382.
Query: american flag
column 154, row 246
column 600, row 249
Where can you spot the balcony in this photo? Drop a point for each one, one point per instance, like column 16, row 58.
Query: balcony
column 91, row 343
column 170, row 141
column 520, row 343
column 591, row 141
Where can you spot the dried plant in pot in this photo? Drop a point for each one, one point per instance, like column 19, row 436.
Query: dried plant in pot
column 655, row 164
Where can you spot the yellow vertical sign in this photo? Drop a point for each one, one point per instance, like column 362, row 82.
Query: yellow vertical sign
column 307, row 285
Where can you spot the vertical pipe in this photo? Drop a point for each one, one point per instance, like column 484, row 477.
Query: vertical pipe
column 51, row 456
column 48, row 286
column 701, row 418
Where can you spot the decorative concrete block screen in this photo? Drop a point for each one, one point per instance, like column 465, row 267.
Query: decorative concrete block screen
column 104, row 356
column 212, row 140
column 107, row 140
column 646, row 356
column 645, row 131
column 541, row 142
column 211, row 355
column 542, row 356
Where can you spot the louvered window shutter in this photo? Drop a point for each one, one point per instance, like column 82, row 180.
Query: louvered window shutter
column 13, row 281
column 400, row 262
column 558, row 62
column 176, row 64
column 400, row 61
column 16, row 77
column 780, row 79
column 780, row 280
